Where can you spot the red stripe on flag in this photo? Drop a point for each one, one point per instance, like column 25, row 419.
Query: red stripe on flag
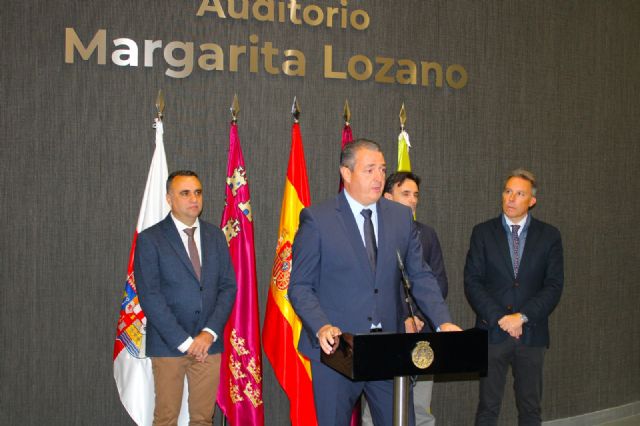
column 296, row 174
column 277, row 341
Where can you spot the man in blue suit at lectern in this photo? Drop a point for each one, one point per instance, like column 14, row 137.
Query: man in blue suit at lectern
column 513, row 279
column 187, row 288
column 345, row 276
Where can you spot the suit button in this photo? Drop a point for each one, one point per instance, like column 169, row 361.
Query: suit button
column 201, row 288
column 509, row 307
column 516, row 284
column 197, row 312
column 375, row 291
column 369, row 319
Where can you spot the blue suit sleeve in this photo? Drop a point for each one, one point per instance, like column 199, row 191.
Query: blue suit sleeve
column 436, row 261
column 305, row 274
column 153, row 302
column 545, row 300
column 485, row 306
column 425, row 288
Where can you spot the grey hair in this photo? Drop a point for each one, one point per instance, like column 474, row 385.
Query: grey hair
column 526, row 175
column 348, row 154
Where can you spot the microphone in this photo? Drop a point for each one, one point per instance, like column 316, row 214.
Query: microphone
column 407, row 289
column 407, row 294
column 405, row 278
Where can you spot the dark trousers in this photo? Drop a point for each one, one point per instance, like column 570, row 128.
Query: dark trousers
column 335, row 396
column 526, row 367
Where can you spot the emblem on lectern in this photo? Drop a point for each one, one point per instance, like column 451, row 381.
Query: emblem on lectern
column 422, row 355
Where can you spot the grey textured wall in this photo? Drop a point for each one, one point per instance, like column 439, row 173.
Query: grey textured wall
column 553, row 86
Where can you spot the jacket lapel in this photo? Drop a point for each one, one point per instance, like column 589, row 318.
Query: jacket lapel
column 171, row 233
column 500, row 236
column 206, row 240
column 383, row 234
column 531, row 243
column 348, row 223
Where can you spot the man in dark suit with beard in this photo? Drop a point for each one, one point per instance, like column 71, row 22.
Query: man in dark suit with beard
column 513, row 279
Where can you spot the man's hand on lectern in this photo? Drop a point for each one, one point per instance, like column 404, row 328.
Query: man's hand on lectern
column 448, row 326
column 328, row 337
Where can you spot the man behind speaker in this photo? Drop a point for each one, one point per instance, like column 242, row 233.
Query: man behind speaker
column 513, row 279
column 345, row 276
column 404, row 188
column 187, row 288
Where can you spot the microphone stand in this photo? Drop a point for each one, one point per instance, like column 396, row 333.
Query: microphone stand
column 408, row 298
column 401, row 383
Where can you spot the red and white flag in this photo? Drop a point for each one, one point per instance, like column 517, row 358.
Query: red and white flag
column 131, row 368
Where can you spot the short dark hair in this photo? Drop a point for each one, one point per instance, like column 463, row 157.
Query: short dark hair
column 348, row 154
column 180, row 173
column 398, row 178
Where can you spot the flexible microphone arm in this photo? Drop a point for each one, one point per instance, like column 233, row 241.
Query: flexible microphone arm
column 406, row 285
column 408, row 297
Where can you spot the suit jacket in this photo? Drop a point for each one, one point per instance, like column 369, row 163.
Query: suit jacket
column 432, row 254
column 332, row 281
column 176, row 303
column 492, row 289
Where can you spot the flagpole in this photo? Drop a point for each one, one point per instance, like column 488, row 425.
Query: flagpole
column 347, row 113
column 282, row 327
column 295, row 110
column 160, row 104
column 347, row 135
column 240, row 395
column 235, row 111
column 404, row 145
column 132, row 368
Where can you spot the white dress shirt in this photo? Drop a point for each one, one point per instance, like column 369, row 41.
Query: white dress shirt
column 184, row 346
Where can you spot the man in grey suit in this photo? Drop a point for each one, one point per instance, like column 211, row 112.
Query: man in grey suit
column 513, row 279
column 345, row 276
column 187, row 287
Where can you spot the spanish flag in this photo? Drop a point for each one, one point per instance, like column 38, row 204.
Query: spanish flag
column 282, row 327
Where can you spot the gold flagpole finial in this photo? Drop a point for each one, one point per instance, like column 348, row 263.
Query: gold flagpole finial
column 295, row 110
column 347, row 112
column 235, row 108
column 160, row 104
column 403, row 116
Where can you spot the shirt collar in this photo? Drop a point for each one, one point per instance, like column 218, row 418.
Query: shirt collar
column 523, row 223
column 356, row 207
column 181, row 226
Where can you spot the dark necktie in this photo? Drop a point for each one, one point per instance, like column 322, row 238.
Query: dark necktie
column 369, row 238
column 516, row 248
column 193, row 250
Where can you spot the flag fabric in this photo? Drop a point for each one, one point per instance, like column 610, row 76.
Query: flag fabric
column 282, row 327
column 347, row 138
column 404, row 163
column 240, row 389
column 131, row 368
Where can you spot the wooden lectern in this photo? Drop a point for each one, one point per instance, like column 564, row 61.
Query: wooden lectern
column 382, row 356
